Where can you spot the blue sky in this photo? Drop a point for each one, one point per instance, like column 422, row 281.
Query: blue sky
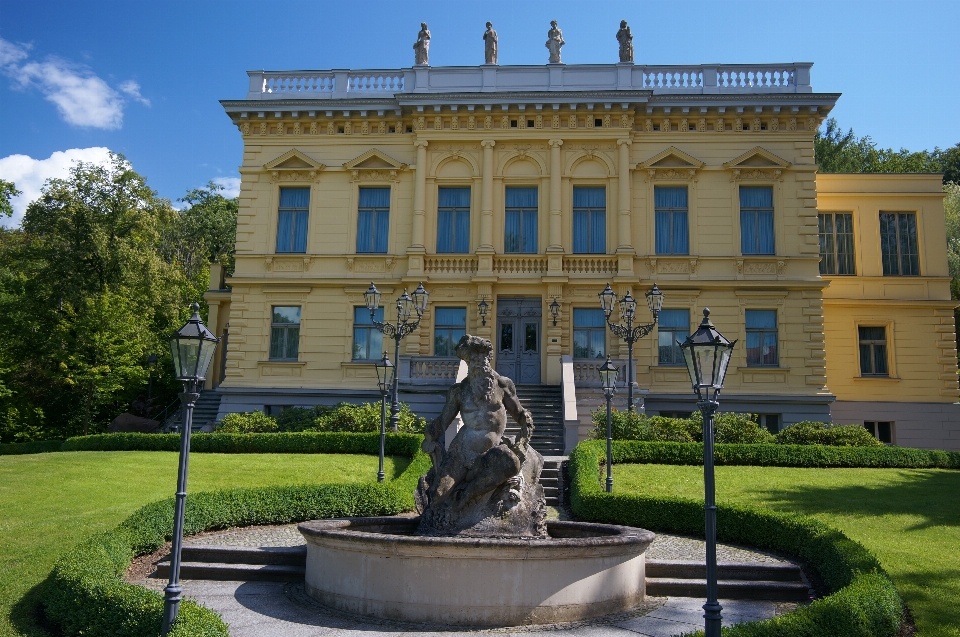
column 144, row 78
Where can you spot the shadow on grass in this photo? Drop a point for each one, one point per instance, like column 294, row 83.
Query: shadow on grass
column 929, row 494
column 27, row 617
column 932, row 597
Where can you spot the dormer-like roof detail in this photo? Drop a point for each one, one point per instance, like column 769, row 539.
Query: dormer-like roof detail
column 293, row 160
column 757, row 157
column 374, row 159
column 672, row 157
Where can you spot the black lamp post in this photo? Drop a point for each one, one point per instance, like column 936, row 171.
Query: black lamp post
column 407, row 306
column 629, row 333
column 482, row 308
column 707, row 355
column 608, row 380
column 151, row 364
column 555, row 311
column 385, row 374
column 192, row 347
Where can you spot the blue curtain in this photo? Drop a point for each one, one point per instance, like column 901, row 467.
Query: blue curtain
column 598, row 232
column 581, row 230
column 674, row 319
column 756, row 197
column 453, row 198
column 761, row 319
column 451, row 317
column 381, row 231
column 511, row 232
column 444, row 231
column 670, row 197
column 765, row 231
column 583, row 317
column 284, row 231
column 300, row 232
column 590, row 198
column 461, row 242
column 664, row 233
column 680, row 234
column 365, row 231
column 670, row 206
column 521, row 198
column 374, row 197
column 748, row 232
column 294, row 197
column 529, row 231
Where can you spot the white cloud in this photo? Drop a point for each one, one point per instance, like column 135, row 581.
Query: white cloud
column 231, row 186
column 29, row 174
column 82, row 98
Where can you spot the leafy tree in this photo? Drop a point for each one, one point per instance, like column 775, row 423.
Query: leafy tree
column 7, row 192
column 951, row 205
column 205, row 232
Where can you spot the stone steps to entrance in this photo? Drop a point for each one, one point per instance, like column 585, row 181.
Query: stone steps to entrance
column 545, row 404
column 767, row 581
column 239, row 563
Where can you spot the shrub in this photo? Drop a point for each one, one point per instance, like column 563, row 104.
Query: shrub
column 366, row 417
column 249, row 423
column 863, row 602
column 728, row 427
column 36, row 446
column 733, row 428
column 301, row 418
column 819, row 433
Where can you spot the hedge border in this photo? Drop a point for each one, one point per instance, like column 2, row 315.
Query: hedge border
column 85, row 593
column 862, row 600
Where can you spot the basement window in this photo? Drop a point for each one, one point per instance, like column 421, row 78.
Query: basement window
column 882, row 430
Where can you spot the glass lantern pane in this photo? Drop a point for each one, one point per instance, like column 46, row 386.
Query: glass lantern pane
column 708, row 362
column 189, row 356
column 725, row 353
column 688, row 361
column 175, row 353
column 207, row 350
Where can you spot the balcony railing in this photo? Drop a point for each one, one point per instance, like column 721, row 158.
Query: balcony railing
column 598, row 264
column 429, row 370
column 586, row 372
column 519, row 265
column 791, row 77
column 450, row 265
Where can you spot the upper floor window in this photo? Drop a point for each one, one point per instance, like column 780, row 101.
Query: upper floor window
column 836, row 243
column 762, row 338
column 292, row 219
column 670, row 205
column 898, row 244
column 590, row 220
column 373, row 220
column 672, row 326
column 520, row 220
column 756, row 220
column 589, row 334
column 449, row 327
column 367, row 339
column 873, row 351
column 453, row 220
column 285, row 334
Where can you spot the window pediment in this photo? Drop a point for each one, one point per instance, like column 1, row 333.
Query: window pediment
column 672, row 163
column 374, row 165
column 293, row 165
column 757, row 163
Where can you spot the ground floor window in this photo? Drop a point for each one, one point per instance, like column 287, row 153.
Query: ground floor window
column 589, row 333
column 873, row 351
column 285, row 334
column 450, row 326
column 770, row 422
column 882, row 430
column 367, row 339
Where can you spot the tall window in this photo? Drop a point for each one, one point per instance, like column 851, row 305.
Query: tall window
column 756, row 220
column 520, row 219
column 453, row 220
column 589, row 334
column 873, row 351
column 762, row 338
column 285, row 334
column 373, row 220
column 590, row 220
column 898, row 244
column 836, row 243
column 672, row 326
column 449, row 327
column 292, row 219
column 367, row 339
column 670, row 205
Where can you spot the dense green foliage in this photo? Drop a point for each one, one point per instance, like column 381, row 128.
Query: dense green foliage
column 8, row 190
column 809, row 432
column 100, row 273
column 344, row 417
column 85, row 593
column 862, row 601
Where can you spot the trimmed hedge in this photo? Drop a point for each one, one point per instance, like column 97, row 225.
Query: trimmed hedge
column 85, row 594
column 35, row 446
column 398, row 444
column 862, row 600
column 775, row 455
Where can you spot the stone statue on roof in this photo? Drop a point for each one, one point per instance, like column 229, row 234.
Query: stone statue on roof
column 554, row 42
column 625, row 38
column 489, row 45
column 421, row 47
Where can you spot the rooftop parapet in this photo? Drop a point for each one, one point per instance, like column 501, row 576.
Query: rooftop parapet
column 701, row 79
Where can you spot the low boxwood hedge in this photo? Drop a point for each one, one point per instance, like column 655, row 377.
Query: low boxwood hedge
column 36, row 446
column 776, row 455
column 86, row 595
column 861, row 602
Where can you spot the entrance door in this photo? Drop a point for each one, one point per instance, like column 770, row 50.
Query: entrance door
column 518, row 338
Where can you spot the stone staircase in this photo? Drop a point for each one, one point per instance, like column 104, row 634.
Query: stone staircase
column 206, row 409
column 239, row 563
column 552, row 480
column 768, row 581
column 545, row 403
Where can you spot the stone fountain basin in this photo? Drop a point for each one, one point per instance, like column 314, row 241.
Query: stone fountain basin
column 377, row 567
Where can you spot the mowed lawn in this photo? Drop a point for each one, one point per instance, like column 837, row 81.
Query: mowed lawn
column 909, row 519
column 49, row 502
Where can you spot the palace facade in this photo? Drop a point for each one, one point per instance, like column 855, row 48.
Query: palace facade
column 526, row 187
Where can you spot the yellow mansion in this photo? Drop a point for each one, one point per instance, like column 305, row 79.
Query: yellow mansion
column 528, row 189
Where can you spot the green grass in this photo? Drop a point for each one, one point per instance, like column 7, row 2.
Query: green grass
column 50, row 502
column 909, row 519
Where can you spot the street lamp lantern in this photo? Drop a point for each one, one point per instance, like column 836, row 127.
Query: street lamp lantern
column 655, row 300
column 628, row 307
column 707, row 355
column 608, row 375
column 607, row 300
column 372, row 298
column 482, row 308
column 385, row 375
column 420, row 297
column 555, row 311
column 608, row 380
column 192, row 347
column 152, row 361
column 405, row 306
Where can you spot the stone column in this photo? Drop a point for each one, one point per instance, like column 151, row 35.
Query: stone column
column 486, row 196
column 555, row 244
column 625, row 249
column 419, row 196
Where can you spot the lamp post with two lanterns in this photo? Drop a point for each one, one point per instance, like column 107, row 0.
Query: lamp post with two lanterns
column 628, row 332
column 407, row 306
column 386, row 372
column 192, row 347
column 706, row 353
column 608, row 380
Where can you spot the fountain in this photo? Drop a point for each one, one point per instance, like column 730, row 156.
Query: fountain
column 481, row 552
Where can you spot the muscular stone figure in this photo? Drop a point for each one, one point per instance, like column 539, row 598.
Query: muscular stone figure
column 485, row 483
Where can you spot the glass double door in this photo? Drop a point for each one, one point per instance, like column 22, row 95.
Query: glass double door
column 518, row 338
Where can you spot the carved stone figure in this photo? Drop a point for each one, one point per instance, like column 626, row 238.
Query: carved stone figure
column 421, row 47
column 485, row 484
column 554, row 42
column 625, row 38
column 489, row 45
